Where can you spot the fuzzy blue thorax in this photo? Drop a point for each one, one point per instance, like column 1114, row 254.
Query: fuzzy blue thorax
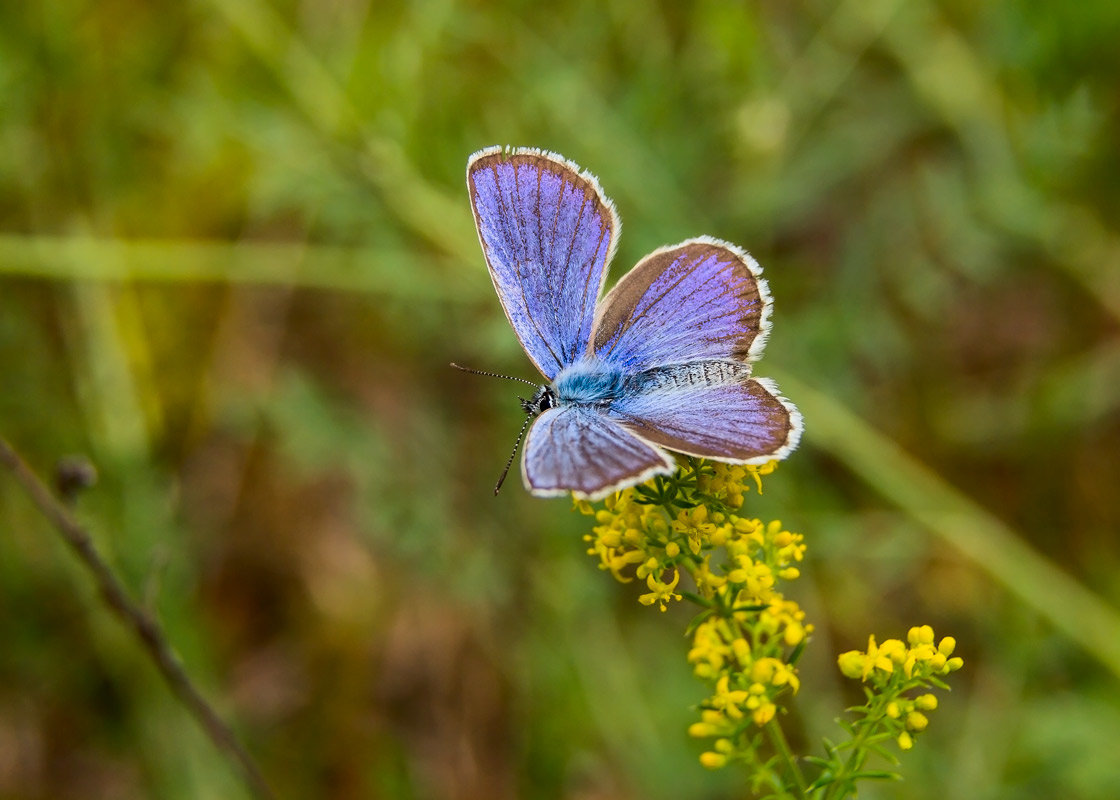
column 589, row 381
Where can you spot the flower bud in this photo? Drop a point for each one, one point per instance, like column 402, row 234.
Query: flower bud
column 851, row 664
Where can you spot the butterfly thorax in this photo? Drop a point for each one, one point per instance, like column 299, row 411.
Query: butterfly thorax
column 587, row 382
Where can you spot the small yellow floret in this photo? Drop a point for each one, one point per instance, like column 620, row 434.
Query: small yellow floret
column 700, row 730
column 916, row 721
column 712, row 760
column 742, row 651
column 764, row 713
column 893, row 649
column 922, row 634
column 926, row 702
column 795, row 634
column 851, row 664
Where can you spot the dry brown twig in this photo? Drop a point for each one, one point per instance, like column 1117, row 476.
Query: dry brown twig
column 147, row 629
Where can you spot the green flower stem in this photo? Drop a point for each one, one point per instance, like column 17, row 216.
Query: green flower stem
column 1080, row 614
column 746, row 641
column 792, row 768
column 858, row 755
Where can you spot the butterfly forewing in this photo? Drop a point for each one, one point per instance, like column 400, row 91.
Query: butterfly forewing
column 701, row 299
column 578, row 449
column 548, row 234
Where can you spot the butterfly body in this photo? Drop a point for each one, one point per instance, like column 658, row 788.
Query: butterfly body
column 662, row 362
column 590, row 382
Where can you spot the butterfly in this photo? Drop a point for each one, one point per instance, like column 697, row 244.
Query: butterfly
column 661, row 363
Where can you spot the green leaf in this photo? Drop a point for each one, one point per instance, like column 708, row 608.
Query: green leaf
column 876, row 775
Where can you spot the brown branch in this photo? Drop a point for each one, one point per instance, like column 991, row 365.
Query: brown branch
column 147, row 630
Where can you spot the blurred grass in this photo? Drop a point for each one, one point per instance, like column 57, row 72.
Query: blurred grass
column 236, row 256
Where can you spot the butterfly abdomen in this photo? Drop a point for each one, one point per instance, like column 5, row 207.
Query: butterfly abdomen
column 683, row 376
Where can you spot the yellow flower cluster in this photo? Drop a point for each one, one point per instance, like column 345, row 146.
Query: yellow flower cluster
column 743, row 641
column 895, row 667
column 920, row 660
column 632, row 534
column 748, row 636
column 725, row 710
column 658, row 540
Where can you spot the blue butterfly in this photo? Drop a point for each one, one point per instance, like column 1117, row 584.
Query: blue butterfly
column 662, row 362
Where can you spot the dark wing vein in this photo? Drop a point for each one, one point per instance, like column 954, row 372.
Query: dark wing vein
column 517, row 266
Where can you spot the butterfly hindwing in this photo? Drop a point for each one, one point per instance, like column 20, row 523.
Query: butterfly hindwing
column 577, row 449
column 701, row 299
column 727, row 418
column 548, row 233
column 685, row 323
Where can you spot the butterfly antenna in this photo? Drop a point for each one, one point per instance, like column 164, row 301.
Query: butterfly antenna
column 491, row 374
column 509, row 463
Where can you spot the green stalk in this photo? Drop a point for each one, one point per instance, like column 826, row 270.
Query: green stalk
column 991, row 544
column 854, row 761
column 792, row 768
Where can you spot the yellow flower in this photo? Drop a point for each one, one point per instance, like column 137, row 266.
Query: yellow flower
column 795, row 633
column 694, row 524
column 851, row 664
column 701, row 730
column 729, row 701
column 764, row 713
column 876, row 659
column 920, row 635
column 712, row 760
column 893, row 649
column 660, row 592
column 709, row 651
column 926, row 702
column 742, row 650
column 916, row 721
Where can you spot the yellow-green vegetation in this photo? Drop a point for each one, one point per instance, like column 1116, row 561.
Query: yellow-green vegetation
column 749, row 636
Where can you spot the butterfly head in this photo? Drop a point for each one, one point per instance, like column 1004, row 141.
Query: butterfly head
column 540, row 402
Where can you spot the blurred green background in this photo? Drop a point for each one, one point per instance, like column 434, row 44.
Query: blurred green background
column 236, row 257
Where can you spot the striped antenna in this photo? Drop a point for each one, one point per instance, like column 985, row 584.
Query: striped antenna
column 520, row 434
column 491, row 374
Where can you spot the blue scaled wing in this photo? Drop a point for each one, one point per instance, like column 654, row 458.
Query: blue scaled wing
column 731, row 418
column 548, row 233
column 684, row 324
column 577, row 449
column 701, row 299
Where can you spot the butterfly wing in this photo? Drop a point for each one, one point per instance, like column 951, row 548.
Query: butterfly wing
column 548, row 233
column 738, row 419
column 701, row 299
column 577, row 449
column 685, row 323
